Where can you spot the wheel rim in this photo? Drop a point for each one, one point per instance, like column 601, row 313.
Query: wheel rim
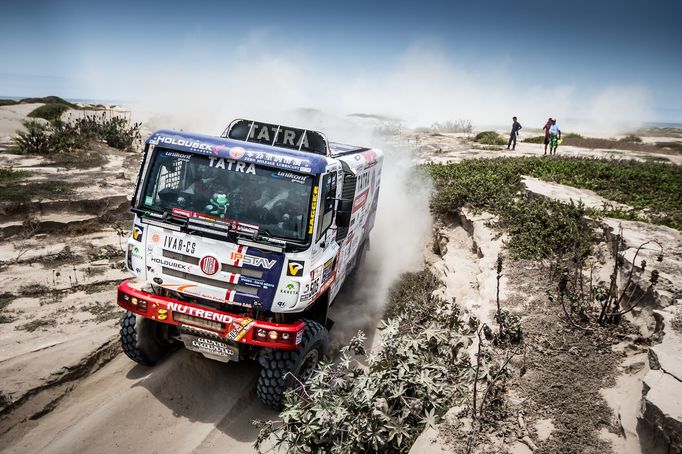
column 309, row 362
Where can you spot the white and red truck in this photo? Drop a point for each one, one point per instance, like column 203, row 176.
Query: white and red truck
column 240, row 244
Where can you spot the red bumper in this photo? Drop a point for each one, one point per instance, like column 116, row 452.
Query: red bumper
column 231, row 327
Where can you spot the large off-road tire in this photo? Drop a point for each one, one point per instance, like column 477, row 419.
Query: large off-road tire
column 143, row 339
column 283, row 369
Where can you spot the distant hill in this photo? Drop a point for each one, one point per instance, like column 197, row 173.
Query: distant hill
column 44, row 100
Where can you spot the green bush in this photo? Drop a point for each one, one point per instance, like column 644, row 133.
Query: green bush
column 116, row 131
column 495, row 185
column 631, row 138
column 36, row 139
column 49, row 112
column 7, row 175
column 489, row 138
column 421, row 370
column 671, row 145
column 535, row 139
column 59, row 136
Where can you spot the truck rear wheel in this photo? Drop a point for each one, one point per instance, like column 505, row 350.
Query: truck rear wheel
column 283, row 369
column 143, row 339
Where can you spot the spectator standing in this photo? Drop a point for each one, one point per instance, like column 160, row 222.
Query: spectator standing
column 554, row 137
column 516, row 126
column 546, row 129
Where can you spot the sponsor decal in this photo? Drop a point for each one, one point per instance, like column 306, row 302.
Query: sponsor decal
column 209, row 265
column 137, row 232
column 313, row 208
column 251, row 260
column 360, row 201
column 163, row 314
column 295, row 268
column 194, row 290
column 170, row 264
column 209, row 346
column 292, row 177
column 179, row 245
column 310, row 290
column 176, row 155
column 192, row 144
column 363, row 182
column 239, row 329
column 327, row 269
column 181, row 212
column 299, row 337
column 370, row 158
column 229, row 164
column 156, row 237
column 218, row 148
column 289, row 289
column 201, row 313
column 237, row 152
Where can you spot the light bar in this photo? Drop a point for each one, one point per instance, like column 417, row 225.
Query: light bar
column 200, row 322
column 265, row 247
column 163, row 225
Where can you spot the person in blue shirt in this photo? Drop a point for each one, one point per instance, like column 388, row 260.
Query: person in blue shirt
column 514, row 133
column 554, row 137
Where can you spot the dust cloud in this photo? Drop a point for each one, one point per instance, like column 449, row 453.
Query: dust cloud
column 402, row 227
column 262, row 80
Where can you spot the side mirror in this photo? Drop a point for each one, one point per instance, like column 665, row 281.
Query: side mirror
column 344, row 211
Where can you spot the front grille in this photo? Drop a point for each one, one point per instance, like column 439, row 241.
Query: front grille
column 225, row 267
column 208, row 281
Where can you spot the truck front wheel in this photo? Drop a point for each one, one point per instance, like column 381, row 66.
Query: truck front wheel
column 282, row 370
column 143, row 339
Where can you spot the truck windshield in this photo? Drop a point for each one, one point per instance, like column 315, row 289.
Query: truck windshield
column 276, row 200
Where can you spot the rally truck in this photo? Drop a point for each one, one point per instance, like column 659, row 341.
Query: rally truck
column 241, row 242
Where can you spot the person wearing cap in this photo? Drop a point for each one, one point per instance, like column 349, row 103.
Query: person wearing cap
column 546, row 129
column 554, row 137
column 516, row 126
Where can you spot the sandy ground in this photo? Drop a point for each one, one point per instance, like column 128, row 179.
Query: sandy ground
column 11, row 118
column 67, row 388
column 455, row 147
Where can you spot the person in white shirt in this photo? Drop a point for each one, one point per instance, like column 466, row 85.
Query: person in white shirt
column 554, row 137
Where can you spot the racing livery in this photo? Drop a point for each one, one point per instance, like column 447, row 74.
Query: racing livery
column 240, row 243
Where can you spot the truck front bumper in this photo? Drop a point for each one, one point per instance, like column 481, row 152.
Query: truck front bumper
column 227, row 326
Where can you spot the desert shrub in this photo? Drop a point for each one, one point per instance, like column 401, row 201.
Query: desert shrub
column 79, row 159
column 571, row 135
column 36, row 139
column 411, row 286
column 7, row 175
column 59, row 136
column 25, row 192
column 421, row 370
column 547, row 229
column 671, row 145
column 489, row 138
column 535, row 139
column 494, row 185
column 116, row 131
column 631, row 138
column 449, row 126
column 49, row 112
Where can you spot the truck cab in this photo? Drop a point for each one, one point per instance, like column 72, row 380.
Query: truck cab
column 240, row 243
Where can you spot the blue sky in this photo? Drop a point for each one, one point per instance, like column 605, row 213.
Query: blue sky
column 107, row 50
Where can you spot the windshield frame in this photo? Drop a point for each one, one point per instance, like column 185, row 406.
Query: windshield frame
column 173, row 217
